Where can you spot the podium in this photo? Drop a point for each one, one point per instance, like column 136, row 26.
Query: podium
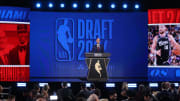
column 97, row 66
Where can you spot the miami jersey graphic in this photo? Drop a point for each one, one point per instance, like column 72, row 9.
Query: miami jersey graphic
column 64, row 39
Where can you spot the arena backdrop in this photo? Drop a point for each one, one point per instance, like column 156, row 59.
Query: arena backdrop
column 54, row 58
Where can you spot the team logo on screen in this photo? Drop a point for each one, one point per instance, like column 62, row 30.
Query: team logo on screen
column 64, row 39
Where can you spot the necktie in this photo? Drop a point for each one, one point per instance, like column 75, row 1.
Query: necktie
column 98, row 49
column 22, row 48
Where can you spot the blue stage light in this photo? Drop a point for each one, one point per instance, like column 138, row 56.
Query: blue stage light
column 136, row 6
column 99, row 5
column 125, row 6
column 62, row 5
column 87, row 5
column 42, row 84
column 68, row 84
column 75, row 5
column 132, row 85
column 153, row 85
column 88, row 84
column 53, row 98
column 110, row 85
column 113, row 6
column 21, row 84
column 50, row 5
column 176, row 84
column 38, row 5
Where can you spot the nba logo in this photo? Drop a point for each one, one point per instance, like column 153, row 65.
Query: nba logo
column 64, row 39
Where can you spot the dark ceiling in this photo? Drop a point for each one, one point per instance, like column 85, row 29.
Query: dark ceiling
column 145, row 4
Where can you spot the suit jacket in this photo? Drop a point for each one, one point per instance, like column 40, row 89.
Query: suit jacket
column 1, row 61
column 95, row 49
column 65, row 94
column 14, row 56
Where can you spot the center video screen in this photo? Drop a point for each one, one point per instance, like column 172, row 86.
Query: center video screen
column 60, row 40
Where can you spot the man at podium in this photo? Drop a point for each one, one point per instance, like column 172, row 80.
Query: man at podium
column 98, row 48
column 97, row 64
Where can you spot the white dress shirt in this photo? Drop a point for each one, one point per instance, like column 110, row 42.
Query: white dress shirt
column 22, row 57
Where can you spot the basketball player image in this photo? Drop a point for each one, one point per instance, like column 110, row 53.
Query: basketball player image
column 163, row 46
column 65, row 38
column 98, row 68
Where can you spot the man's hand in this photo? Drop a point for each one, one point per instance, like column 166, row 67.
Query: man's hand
column 158, row 52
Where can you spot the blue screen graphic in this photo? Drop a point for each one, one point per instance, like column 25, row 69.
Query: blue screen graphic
column 59, row 40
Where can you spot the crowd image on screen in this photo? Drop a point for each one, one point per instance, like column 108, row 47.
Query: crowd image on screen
column 153, row 31
column 166, row 92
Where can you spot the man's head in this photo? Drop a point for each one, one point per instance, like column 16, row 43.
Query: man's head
column 173, row 86
column 123, row 93
column 113, row 95
column 93, row 97
column 93, row 86
column 23, row 34
column 141, row 88
column 165, row 85
column 98, row 41
column 162, row 29
column 83, row 86
column 3, row 40
column 64, row 84
column 40, row 98
column 46, row 87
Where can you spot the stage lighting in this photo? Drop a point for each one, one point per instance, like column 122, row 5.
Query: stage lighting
column 75, row 5
column 87, row 5
column 62, row 5
column 38, row 5
column 132, row 85
column 125, row 6
column 176, row 84
column 21, row 84
column 110, row 85
column 99, row 5
column 88, row 84
column 136, row 6
column 53, row 98
column 153, row 84
column 50, row 5
column 68, row 84
column 113, row 6
column 42, row 84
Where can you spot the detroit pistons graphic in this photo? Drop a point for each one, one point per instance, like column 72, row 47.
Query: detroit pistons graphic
column 164, row 45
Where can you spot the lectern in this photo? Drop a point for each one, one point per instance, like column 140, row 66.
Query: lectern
column 97, row 64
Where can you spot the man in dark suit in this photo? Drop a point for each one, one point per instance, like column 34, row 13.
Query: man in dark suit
column 65, row 93
column 20, row 54
column 98, row 48
column 4, row 50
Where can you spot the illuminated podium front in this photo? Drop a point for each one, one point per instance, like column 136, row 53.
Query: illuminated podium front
column 97, row 66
